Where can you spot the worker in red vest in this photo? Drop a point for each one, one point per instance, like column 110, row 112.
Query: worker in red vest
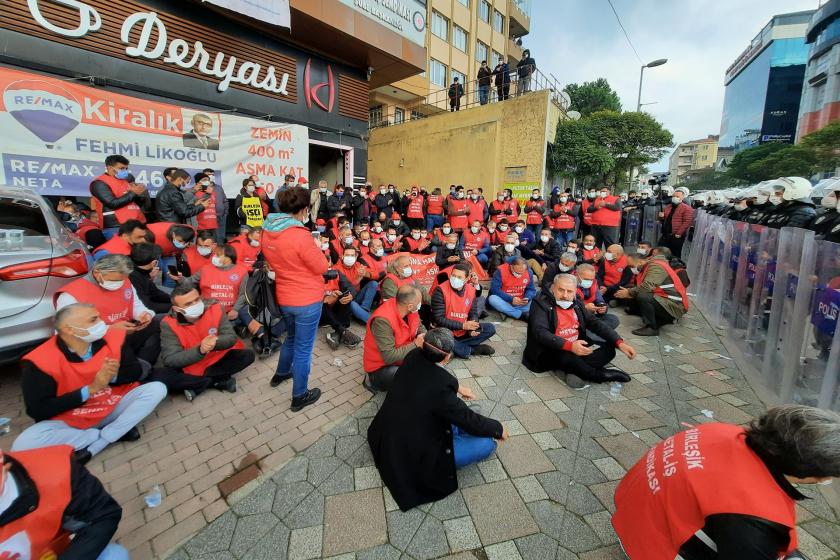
column 209, row 219
column 114, row 199
column 434, row 210
column 723, row 491
column 606, row 218
column 477, row 242
column 398, row 274
column 590, row 295
column 415, row 209
column 194, row 257
column 129, row 233
column 457, row 211
column 391, row 242
column 455, row 307
column 512, row 289
column 513, row 204
column 659, row 296
column 336, row 312
column 586, row 226
column 614, row 272
column 375, row 259
column 81, row 386
column 415, row 243
column 359, row 275
column 477, row 207
column 562, row 220
column 172, row 239
column 535, row 213
column 47, row 497
column 118, row 304
column 500, row 208
column 87, row 227
column 393, row 331
column 590, row 252
column 247, row 246
column 199, row 346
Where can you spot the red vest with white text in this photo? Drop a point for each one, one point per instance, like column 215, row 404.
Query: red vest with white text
column 457, row 307
column 564, row 220
column 113, row 306
column 511, row 285
column 587, row 216
column 246, row 254
column 435, row 206
column 476, row 208
column 666, row 497
column 613, row 270
column 191, row 335
column 568, row 325
column 222, row 285
column 605, row 217
column 457, row 205
column 475, row 241
column 405, row 331
column 208, row 218
column 415, row 208
column 119, row 187
column 535, row 216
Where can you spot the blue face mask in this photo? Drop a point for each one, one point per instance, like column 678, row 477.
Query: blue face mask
column 179, row 244
column 122, row 174
column 586, row 284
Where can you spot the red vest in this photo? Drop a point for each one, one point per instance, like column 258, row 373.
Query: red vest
column 49, row 469
column 72, row 376
column 501, row 207
column 593, row 291
column 499, row 237
column 587, row 216
column 475, row 241
column 388, row 246
column 605, row 217
column 674, row 291
column 119, row 187
column 194, row 260
column 192, row 334
column 535, row 216
column 413, row 244
column 377, row 267
column 405, row 331
column 435, row 206
column 245, row 254
column 514, row 208
column 667, row 496
column 563, row 221
column 568, row 326
column 458, row 307
column 114, row 246
column 613, row 270
column 113, row 306
column 351, row 273
column 397, row 280
column 222, row 285
column 207, row 219
column 160, row 229
column 476, row 208
column 85, row 226
column 260, row 192
column 457, row 205
column 590, row 255
column 511, row 285
column 415, row 207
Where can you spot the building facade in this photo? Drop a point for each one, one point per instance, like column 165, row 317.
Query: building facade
column 459, row 35
column 764, row 85
column 691, row 156
column 820, row 103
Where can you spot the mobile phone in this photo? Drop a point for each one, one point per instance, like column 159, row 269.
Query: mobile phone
column 134, row 321
column 316, row 235
column 173, row 270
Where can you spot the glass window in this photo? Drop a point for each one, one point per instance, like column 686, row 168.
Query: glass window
column 399, row 115
column 461, row 79
column 498, row 21
column 484, row 11
column 480, row 51
column 465, row 3
column 459, row 38
column 497, row 58
column 440, row 26
column 375, row 115
column 437, row 73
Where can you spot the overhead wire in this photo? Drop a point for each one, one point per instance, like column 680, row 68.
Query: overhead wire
column 621, row 25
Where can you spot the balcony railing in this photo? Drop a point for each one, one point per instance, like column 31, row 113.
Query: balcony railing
column 438, row 102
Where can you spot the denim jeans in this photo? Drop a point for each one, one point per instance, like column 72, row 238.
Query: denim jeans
column 296, row 353
column 563, row 236
column 109, row 232
column 508, row 309
column 361, row 304
column 464, row 345
column 433, row 221
column 483, row 94
column 113, row 552
column 535, row 229
column 469, row 449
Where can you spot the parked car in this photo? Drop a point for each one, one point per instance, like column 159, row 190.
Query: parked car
column 38, row 255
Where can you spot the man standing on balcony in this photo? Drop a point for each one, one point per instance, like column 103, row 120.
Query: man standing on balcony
column 502, row 80
column 456, row 92
column 525, row 68
column 484, row 75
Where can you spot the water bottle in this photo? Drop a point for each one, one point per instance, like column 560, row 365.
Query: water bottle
column 615, row 389
column 5, row 425
column 154, row 497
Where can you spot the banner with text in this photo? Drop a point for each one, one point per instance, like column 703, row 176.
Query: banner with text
column 57, row 134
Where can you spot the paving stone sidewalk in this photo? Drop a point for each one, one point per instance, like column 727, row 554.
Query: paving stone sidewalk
column 545, row 494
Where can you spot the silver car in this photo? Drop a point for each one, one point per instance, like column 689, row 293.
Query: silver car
column 38, row 255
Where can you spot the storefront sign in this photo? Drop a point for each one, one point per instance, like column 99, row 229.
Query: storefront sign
column 275, row 12
column 57, row 135
column 405, row 17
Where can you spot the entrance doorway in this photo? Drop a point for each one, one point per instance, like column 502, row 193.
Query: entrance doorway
column 328, row 162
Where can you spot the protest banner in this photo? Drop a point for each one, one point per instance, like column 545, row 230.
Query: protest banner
column 425, row 269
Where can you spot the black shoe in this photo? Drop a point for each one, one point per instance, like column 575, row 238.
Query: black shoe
column 524, row 317
column 131, row 435
column 82, row 456
column 367, row 384
column 241, row 331
column 310, row 397
column 646, row 331
column 278, row 379
column 228, row 385
column 613, row 374
column 482, row 315
column 483, row 350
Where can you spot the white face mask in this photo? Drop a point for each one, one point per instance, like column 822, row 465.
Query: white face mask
column 407, row 271
column 396, row 222
column 474, row 196
column 378, row 252
column 604, row 194
column 589, row 247
column 112, row 285
column 509, row 247
column 206, row 183
column 450, row 246
column 503, row 228
column 377, row 229
column 217, row 261
column 642, row 252
column 609, row 256
column 564, row 199
column 325, row 246
column 520, row 229
column 365, row 242
column 250, row 190
column 348, row 261
column 272, row 275
column 392, row 238
column 535, row 196
column 254, row 243
column 94, row 332
column 634, row 270
column 348, row 240
column 544, row 238
column 562, row 304
column 775, row 200
column 760, row 198
column 564, row 268
column 415, row 236
column 194, row 311
column 203, row 251
column 456, row 283
column 475, row 229
column 446, row 230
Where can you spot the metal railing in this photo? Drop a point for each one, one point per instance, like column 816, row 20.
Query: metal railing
column 439, row 102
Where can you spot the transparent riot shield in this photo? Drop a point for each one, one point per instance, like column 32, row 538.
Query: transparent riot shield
column 650, row 224
column 723, row 297
column 763, row 277
column 695, row 257
column 794, row 281
column 749, row 238
column 710, row 273
column 632, row 227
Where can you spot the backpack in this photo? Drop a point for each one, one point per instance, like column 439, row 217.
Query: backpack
column 681, row 269
column 259, row 294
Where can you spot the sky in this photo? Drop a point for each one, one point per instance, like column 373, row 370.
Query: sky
column 580, row 40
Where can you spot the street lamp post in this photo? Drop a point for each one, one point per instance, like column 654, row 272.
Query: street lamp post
column 655, row 63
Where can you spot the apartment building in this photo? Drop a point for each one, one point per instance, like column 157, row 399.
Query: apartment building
column 693, row 155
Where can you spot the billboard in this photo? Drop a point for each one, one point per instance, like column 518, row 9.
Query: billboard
column 57, row 135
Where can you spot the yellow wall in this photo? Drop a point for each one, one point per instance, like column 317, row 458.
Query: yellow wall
column 471, row 147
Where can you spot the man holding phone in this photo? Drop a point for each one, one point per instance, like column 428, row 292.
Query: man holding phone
column 512, row 289
column 589, row 293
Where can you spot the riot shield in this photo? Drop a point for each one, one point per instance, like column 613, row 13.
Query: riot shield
column 650, row 224
column 763, row 277
column 632, row 227
column 695, row 257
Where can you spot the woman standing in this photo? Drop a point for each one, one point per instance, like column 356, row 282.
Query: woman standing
column 299, row 267
column 248, row 206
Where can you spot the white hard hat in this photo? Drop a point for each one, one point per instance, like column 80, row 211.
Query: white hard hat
column 794, row 187
column 683, row 190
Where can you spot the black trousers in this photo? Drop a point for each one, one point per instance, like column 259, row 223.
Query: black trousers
column 503, row 92
column 146, row 342
column 606, row 235
column 336, row 315
column 455, row 104
column 589, row 368
column 675, row 244
column 652, row 312
column 232, row 363
column 382, row 378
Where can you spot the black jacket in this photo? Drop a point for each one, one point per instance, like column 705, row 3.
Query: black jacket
column 456, row 91
column 152, row 297
column 385, row 203
column 172, row 207
column 795, row 213
column 484, row 76
column 551, row 250
column 502, row 74
column 336, row 204
column 411, row 435
column 105, row 195
column 552, row 269
column 443, row 253
column 541, row 341
column 92, row 514
column 526, row 67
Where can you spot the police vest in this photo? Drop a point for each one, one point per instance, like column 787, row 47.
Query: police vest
column 190, row 335
column 119, row 187
column 568, row 325
column 405, row 331
column 252, row 209
column 667, row 496
column 511, row 285
column 222, row 285
column 675, row 290
column 113, row 306
column 38, row 534
column 458, row 307
column 72, row 376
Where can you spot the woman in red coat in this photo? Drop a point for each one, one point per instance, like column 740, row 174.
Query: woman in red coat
column 299, row 267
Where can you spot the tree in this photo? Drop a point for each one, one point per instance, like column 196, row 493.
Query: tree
column 773, row 160
column 590, row 97
column 707, row 179
column 825, row 143
column 576, row 154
